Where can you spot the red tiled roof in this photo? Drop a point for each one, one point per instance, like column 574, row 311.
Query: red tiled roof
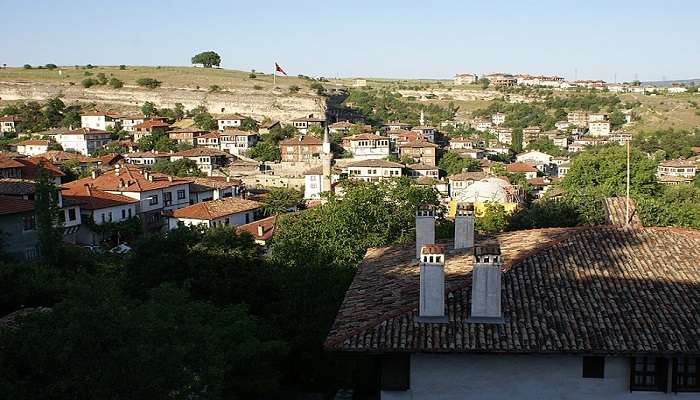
column 85, row 131
column 7, row 163
column 10, row 118
column 30, row 166
column 268, row 224
column 151, row 123
column 127, row 178
column 301, row 141
column 520, row 167
column 94, row 199
column 602, row 289
column 14, row 205
column 214, row 209
column 202, row 151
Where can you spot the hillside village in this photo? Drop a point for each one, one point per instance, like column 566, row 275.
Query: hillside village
column 365, row 221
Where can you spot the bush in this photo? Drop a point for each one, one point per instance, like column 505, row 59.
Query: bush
column 122, row 67
column 148, row 82
column 116, row 83
column 27, row 66
column 89, row 82
column 89, row 66
column 294, row 89
column 252, row 75
column 257, row 87
column 214, row 88
column 51, row 66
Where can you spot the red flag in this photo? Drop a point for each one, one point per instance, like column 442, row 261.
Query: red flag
column 279, row 69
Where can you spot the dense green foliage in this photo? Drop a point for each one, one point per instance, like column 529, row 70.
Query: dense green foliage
column 668, row 143
column 207, row 59
column 452, row 163
column 267, row 148
column 281, row 200
column 381, row 106
column 181, row 167
column 37, row 117
column 546, row 145
column 148, row 82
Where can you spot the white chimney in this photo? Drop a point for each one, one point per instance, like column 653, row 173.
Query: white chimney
column 464, row 226
column 425, row 226
column 432, row 284
column 486, row 285
column 261, row 230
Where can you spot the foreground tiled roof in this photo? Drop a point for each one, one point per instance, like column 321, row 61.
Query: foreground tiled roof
column 588, row 290
column 30, row 167
column 16, row 187
column 520, row 167
column 214, row 209
column 14, row 205
column 301, row 141
column 34, row 142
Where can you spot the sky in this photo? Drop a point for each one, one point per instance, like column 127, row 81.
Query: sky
column 614, row 40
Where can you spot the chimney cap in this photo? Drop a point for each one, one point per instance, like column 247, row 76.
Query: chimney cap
column 465, row 206
column 487, row 249
column 432, row 249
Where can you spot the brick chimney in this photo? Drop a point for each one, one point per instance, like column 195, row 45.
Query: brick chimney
column 432, row 284
column 464, row 226
column 486, row 285
column 425, row 227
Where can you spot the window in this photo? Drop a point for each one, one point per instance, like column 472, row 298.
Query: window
column 28, row 223
column 71, row 214
column 649, row 374
column 103, row 217
column 130, row 213
column 153, row 200
column 168, row 198
column 181, row 194
column 110, row 216
column 686, row 375
column 123, row 213
column 593, row 367
column 30, row 253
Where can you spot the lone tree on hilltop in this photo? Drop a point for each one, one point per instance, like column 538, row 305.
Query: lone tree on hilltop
column 207, row 59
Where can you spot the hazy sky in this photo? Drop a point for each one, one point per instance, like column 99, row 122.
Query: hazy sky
column 412, row 39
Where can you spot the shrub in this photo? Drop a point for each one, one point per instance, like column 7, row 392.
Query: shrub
column 252, row 75
column 257, row 87
column 293, row 89
column 51, row 66
column 102, row 78
column 214, row 88
column 86, row 73
column 27, row 66
column 89, row 66
column 122, row 67
column 89, row 82
column 116, row 83
column 148, row 82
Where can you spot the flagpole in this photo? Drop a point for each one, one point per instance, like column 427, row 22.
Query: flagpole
column 274, row 76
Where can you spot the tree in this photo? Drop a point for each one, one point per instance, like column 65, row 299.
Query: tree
column 249, row 124
column 546, row 145
column 205, row 121
column 265, row 151
column 452, row 163
column 27, row 66
column 182, row 167
column 493, row 219
column 148, row 82
column 281, row 200
column 545, row 213
column 207, row 59
column 318, row 88
column 158, row 141
column 617, row 119
column 484, row 83
column 51, row 66
column 149, row 109
column 48, row 224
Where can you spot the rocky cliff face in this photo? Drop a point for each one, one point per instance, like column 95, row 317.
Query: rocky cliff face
column 255, row 103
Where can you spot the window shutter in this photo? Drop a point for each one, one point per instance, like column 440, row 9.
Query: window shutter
column 662, row 374
column 396, row 371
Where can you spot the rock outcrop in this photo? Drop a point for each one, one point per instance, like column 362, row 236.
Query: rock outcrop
column 255, row 103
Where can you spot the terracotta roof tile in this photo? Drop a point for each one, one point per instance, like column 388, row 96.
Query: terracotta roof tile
column 214, row 209
column 585, row 290
column 268, row 228
column 14, row 205
column 92, row 198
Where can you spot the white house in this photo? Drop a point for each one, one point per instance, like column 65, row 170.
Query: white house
column 97, row 120
column 367, row 146
column 683, row 169
column 422, row 170
column 207, row 160
column 599, row 128
column 100, row 207
column 427, row 132
column 498, row 118
column 33, row 147
column 231, row 211
column 527, row 314
column 129, row 122
column 236, row 141
column 482, row 124
column 461, row 181
column 85, row 141
column 304, row 124
column 465, row 79
column 539, row 159
column 528, row 169
column 8, row 123
column 373, row 170
column 229, row 121
column 214, row 188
